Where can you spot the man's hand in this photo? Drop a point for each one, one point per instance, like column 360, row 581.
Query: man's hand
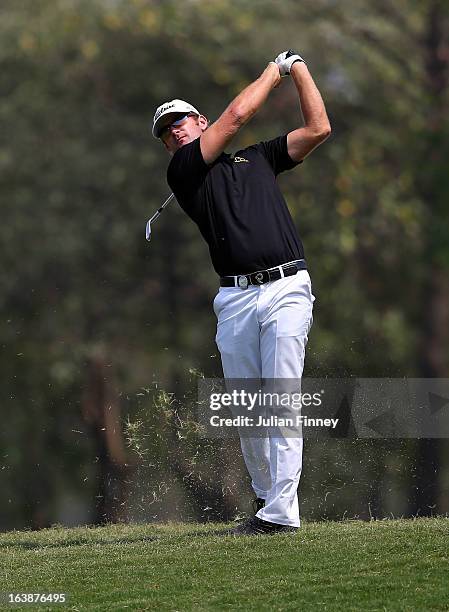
column 286, row 60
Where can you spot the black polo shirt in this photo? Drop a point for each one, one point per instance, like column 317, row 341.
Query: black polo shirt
column 237, row 205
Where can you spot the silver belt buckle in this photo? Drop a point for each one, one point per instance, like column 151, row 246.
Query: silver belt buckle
column 242, row 282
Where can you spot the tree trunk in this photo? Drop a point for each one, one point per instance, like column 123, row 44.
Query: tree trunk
column 101, row 411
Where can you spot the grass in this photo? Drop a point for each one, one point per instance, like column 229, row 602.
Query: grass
column 384, row 565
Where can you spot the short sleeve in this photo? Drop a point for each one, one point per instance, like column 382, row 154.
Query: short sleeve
column 187, row 169
column 276, row 153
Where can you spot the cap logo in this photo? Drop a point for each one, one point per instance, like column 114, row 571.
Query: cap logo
column 162, row 110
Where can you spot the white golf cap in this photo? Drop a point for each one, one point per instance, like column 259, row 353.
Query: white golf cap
column 175, row 106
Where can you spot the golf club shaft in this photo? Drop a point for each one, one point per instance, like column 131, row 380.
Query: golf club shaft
column 159, row 210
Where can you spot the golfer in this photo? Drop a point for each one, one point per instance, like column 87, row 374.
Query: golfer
column 265, row 301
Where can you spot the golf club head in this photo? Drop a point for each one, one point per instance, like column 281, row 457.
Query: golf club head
column 148, row 230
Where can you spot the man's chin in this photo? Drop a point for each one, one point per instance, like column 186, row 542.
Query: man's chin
column 183, row 141
column 179, row 144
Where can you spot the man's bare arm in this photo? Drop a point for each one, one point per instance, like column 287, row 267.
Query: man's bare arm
column 316, row 127
column 214, row 140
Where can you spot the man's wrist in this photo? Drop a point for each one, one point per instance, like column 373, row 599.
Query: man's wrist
column 274, row 71
column 299, row 63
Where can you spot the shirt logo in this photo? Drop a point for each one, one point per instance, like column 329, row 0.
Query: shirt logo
column 238, row 160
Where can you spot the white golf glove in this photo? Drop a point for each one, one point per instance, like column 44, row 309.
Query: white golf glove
column 286, row 60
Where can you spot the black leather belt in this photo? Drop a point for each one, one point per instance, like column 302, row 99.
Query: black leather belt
column 263, row 276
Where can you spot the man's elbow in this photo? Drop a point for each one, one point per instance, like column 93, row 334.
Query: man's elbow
column 239, row 115
column 321, row 132
column 324, row 131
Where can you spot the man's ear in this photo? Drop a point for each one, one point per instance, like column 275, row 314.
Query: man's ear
column 203, row 122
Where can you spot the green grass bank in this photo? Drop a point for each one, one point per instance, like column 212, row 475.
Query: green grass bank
column 370, row 566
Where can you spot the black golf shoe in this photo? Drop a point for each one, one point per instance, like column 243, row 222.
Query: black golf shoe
column 255, row 526
column 258, row 504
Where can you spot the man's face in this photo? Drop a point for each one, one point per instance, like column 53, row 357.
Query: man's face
column 179, row 130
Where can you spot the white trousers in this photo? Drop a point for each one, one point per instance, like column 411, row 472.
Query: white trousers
column 262, row 333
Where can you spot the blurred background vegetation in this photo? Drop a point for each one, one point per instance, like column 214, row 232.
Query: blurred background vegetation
column 95, row 321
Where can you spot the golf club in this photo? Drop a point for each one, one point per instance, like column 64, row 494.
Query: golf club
column 156, row 215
